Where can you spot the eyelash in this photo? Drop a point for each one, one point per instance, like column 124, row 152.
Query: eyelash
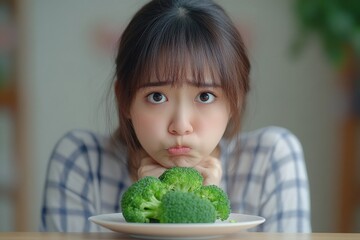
column 150, row 97
column 212, row 97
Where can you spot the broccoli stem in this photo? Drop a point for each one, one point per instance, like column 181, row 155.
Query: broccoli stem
column 151, row 208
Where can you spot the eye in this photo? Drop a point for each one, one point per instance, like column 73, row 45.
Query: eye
column 156, row 98
column 205, row 97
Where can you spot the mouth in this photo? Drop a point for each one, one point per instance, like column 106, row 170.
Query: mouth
column 179, row 150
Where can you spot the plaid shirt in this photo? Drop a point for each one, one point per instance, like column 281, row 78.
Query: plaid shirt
column 264, row 175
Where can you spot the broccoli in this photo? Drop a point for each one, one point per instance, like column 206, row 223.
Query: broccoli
column 186, row 207
column 218, row 198
column 184, row 179
column 141, row 201
column 177, row 196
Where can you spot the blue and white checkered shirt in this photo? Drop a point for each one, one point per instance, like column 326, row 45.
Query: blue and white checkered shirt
column 264, row 175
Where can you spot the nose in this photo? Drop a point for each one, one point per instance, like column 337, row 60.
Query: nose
column 180, row 123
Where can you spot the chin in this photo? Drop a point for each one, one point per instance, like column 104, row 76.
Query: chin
column 183, row 162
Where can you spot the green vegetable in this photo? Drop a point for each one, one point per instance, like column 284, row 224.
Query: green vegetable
column 140, row 203
column 184, row 179
column 186, row 207
column 177, row 196
column 218, row 198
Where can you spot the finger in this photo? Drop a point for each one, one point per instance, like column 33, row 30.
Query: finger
column 211, row 170
column 211, row 177
column 148, row 167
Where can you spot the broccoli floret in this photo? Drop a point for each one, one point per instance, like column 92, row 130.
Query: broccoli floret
column 218, row 198
column 184, row 179
column 140, row 202
column 177, row 196
column 186, row 207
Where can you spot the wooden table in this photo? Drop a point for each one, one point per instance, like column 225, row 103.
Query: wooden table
column 240, row 236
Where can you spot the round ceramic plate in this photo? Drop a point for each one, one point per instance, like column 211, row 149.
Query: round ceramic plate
column 235, row 222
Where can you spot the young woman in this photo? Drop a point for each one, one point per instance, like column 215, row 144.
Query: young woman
column 182, row 76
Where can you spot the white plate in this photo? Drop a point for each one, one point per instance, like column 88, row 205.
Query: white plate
column 117, row 223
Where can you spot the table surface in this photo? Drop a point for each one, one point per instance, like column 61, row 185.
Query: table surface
column 240, row 235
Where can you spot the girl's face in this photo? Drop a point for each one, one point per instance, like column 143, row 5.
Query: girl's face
column 179, row 125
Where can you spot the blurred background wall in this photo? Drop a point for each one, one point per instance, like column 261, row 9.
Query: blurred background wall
column 67, row 51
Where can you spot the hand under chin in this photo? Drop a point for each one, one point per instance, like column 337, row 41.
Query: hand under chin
column 183, row 161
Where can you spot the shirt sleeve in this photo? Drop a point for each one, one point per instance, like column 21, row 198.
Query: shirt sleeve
column 285, row 200
column 70, row 188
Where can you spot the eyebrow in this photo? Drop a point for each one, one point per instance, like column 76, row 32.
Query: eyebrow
column 165, row 83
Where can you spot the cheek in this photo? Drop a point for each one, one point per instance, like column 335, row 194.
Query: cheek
column 213, row 127
column 147, row 128
column 215, row 119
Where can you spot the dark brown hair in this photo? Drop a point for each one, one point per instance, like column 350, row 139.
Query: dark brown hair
column 167, row 37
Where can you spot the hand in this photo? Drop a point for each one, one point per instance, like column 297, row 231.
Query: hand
column 149, row 167
column 210, row 169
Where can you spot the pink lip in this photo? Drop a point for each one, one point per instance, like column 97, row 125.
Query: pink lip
column 179, row 150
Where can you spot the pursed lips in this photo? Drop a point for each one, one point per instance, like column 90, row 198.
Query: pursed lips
column 179, row 150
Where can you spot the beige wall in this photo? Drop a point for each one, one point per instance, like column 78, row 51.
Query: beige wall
column 67, row 75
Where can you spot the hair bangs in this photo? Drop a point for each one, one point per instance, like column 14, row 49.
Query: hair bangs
column 178, row 57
